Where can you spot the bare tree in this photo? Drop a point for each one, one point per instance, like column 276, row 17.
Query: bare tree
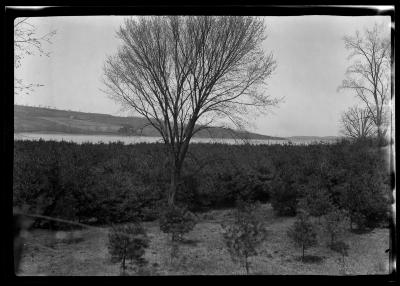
column 357, row 123
column 370, row 73
column 185, row 73
column 27, row 42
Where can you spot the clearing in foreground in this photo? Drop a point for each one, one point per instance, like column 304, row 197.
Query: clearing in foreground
column 204, row 252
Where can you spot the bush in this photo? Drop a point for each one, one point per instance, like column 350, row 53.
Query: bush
column 359, row 219
column 317, row 201
column 177, row 221
column 245, row 234
column 303, row 232
column 364, row 191
column 340, row 247
column 284, row 198
column 365, row 201
column 187, row 192
column 128, row 242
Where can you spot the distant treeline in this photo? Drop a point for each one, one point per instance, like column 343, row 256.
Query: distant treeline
column 112, row 183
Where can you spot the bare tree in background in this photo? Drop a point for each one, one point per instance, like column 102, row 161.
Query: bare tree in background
column 184, row 73
column 370, row 73
column 357, row 123
column 27, row 42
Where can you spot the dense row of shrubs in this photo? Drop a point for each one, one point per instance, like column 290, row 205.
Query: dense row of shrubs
column 113, row 183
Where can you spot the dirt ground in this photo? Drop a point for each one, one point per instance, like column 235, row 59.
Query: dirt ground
column 84, row 252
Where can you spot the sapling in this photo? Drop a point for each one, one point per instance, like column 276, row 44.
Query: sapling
column 342, row 248
column 335, row 224
column 176, row 221
column 128, row 242
column 303, row 232
column 244, row 235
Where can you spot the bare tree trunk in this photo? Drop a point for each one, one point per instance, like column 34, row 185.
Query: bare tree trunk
column 175, row 177
column 175, row 180
column 380, row 135
column 302, row 257
column 176, row 171
column 123, row 263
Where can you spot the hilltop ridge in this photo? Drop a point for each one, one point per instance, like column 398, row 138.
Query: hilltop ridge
column 48, row 120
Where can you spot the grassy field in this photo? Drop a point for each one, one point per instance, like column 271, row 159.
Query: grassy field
column 85, row 252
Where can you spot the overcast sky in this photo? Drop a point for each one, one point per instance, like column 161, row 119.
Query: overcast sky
column 309, row 50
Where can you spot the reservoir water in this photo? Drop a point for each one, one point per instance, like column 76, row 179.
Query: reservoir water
column 83, row 138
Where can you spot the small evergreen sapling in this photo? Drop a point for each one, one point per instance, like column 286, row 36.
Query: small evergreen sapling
column 128, row 242
column 176, row 221
column 303, row 232
column 335, row 224
column 245, row 234
column 342, row 248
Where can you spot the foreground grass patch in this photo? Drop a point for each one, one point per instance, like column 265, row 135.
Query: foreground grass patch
column 203, row 252
column 310, row 259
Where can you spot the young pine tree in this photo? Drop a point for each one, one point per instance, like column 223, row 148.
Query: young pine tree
column 244, row 235
column 176, row 221
column 128, row 242
column 303, row 232
column 335, row 224
column 342, row 248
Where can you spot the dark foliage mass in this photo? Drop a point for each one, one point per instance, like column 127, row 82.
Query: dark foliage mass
column 114, row 183
column 177, row 221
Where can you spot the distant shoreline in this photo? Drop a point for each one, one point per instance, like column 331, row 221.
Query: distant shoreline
column 291, row 138
column 21, row 133
column 134, row 139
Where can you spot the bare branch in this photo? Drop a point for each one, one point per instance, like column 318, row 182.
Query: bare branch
column 27, row 42
column 357, row 123
column 369, row 76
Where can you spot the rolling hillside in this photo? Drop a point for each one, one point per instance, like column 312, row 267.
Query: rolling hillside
column 46, row 120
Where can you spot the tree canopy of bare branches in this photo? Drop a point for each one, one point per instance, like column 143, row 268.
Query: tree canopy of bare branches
column 27, row 42
column 357, row 123
column 370, row 73
column 184, row 73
